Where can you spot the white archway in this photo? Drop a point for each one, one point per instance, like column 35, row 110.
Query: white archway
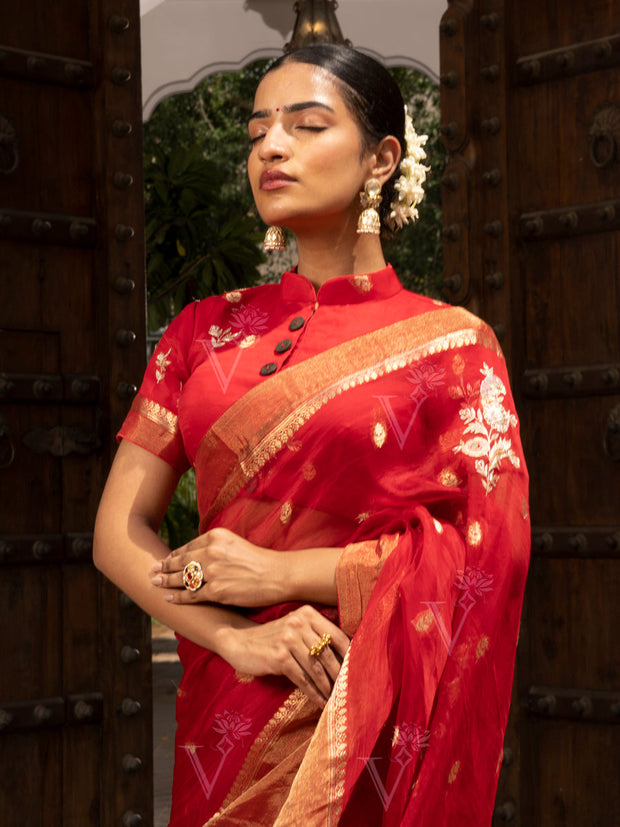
column 183, row 41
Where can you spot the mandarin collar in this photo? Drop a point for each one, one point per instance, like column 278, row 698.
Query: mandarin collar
column 354, row 289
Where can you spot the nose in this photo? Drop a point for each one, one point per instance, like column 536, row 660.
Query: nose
column 274, row 144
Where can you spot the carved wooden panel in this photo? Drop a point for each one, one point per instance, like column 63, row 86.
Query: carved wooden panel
column 72, row 703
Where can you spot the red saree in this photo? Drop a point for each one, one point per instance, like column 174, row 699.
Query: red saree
column 401, row 446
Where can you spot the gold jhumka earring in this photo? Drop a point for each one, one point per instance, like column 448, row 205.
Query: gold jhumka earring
column 275, row 239
column 369, row 221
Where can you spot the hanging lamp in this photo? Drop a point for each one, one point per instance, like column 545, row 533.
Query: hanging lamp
column 316, row 23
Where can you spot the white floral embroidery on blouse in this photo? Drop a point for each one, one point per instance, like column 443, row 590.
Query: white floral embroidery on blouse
column 489, row 422
column 162, row 362
column 220, row 337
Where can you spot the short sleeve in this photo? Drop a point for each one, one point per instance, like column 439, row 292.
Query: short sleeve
column 153, row 421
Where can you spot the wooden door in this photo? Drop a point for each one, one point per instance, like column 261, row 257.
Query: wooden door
column 531, row 117
column 75, row 697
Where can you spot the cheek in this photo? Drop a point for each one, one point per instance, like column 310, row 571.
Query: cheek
column 341, row 165
column 342, row 177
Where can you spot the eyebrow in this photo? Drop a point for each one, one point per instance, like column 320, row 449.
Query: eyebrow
column 293, row 107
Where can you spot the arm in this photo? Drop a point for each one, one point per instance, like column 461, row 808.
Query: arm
column 126, row 543
column 126, row 546
column 239, row 573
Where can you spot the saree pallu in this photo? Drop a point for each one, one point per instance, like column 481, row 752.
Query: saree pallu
column 402, row 448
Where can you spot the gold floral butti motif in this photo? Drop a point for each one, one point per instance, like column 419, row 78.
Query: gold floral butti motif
column 248, row 341
column 489, row 421
column 379, row 434
column 363, row 284
column 474, row 534
column 448, row 478
column 309, row 471
column 286, row 512
column 162, row 362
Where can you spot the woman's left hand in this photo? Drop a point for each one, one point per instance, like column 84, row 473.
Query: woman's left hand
column 235, row 571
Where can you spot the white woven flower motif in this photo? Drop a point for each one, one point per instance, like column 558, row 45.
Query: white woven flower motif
column 162, row 362
column 409, row 189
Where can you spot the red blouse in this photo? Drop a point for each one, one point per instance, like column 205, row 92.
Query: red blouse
column 218, row 348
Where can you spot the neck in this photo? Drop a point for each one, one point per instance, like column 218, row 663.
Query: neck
column 323, row 256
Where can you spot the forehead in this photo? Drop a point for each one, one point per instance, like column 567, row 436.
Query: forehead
column 297, row 82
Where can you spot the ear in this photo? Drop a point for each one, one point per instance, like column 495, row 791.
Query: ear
column 386, row 157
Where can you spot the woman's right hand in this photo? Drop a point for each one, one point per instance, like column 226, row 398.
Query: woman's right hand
column 282, row 647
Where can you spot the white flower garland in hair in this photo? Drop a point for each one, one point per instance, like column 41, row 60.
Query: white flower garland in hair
column 409, row 191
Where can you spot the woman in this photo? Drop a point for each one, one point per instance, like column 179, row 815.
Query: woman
column 348, row 615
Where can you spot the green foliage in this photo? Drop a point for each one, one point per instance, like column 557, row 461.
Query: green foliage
column 195, row 247
column 202, row 231
column 180, row 524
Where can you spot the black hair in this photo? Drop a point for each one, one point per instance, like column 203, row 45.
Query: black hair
column 370, row 93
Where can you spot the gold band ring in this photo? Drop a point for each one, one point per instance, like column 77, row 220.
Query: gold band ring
column 192, row 576
column 317, row 650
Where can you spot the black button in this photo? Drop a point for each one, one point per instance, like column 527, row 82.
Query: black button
column 283, row 346
column 297, row 322
column 268, row 369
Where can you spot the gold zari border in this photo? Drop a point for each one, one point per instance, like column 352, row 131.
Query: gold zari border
column 156, row 413
column 325, row 758
column 259, row 424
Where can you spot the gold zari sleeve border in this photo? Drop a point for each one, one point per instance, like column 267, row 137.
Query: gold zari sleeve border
column 156, row 413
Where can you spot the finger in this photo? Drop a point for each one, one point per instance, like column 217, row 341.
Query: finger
column 181, row 556
column 329, row 663
column 298, row 675
column 175, row 561
column 184, row 596
column 339, row 640
column 314, row 666
column 168, row 581
column 321, row 625
column 285, row 660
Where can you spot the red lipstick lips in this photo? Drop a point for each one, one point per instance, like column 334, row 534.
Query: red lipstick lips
column 273, row 179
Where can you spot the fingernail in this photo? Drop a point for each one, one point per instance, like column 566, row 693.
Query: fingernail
column 157, row 581
column 169, row 598
column 157, row 567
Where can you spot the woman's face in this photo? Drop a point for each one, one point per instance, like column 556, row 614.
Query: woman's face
column 307, row 165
